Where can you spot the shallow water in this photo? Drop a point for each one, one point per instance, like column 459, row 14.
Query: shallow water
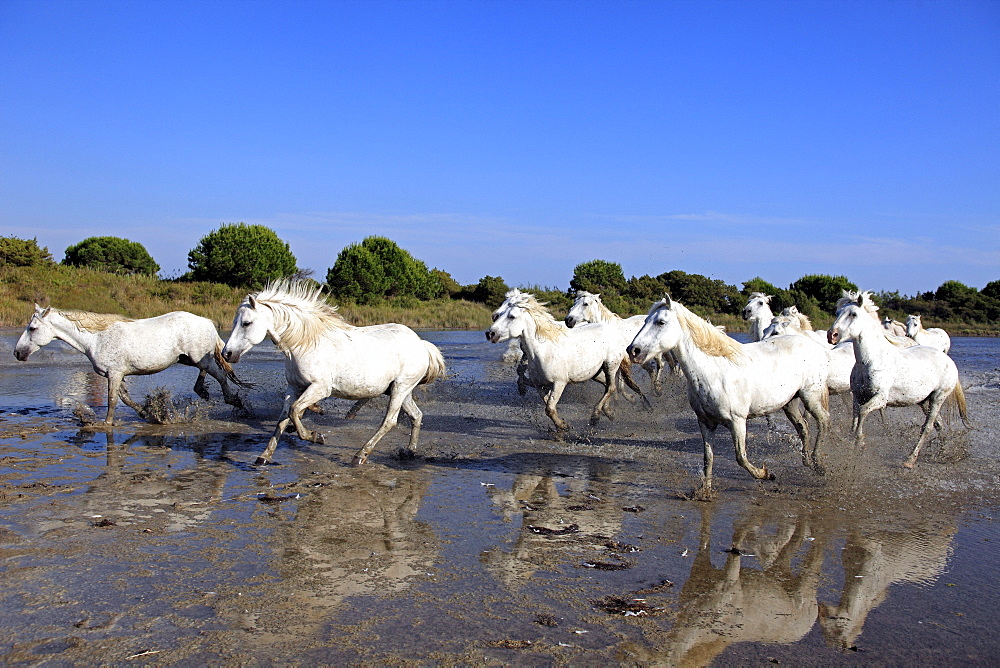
column 500, row 544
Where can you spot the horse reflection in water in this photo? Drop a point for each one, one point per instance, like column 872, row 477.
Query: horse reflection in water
column 554, row 526
column 876, row 558
column 772, row 602
column 355, row 536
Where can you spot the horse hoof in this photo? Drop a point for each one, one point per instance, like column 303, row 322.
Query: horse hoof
column 405, row 454
column 908, row 464
column 358, row 460
column 705, row 494
column 318, row 438
column 260, row 462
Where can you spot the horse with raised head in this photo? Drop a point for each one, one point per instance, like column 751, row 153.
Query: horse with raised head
column 555, row 355
column 729, row 382
column 327, row 356
column 758, row 313
column 588, row 307
column 935, row 337
column 887, row 375
column 118, row 346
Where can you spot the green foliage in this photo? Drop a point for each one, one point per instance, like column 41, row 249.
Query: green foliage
column 701, row 294
column 954, row 292
column 16, row 252
column 240, row 255
column 819, row 291
column 599, row 277
column 111, row 254
column 378, row 269
column 991, row 290
column 489, row 291
column 449, row 286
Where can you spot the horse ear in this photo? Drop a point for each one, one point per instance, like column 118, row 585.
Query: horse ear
column 44, row 312
column 667, row 300
column 253, row 302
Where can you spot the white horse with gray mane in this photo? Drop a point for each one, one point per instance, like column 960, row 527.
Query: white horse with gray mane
column 556, row 355
column 887, row 375
column 935, row 337
column 327, row 356
column 588, row 307
column 729, row 382
column 118, row 346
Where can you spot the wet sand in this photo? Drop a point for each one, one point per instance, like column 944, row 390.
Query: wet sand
column 499, row 544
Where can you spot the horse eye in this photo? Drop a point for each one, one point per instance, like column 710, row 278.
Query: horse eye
column 495, row 316
column 246, row 323
column 510, row 317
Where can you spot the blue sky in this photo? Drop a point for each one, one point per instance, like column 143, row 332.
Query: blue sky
column 732, row 139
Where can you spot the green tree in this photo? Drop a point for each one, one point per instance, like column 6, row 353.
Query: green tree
column 111, row 254
column 15, row 252
column 241, row 255
column 490, row 291
column 955, row 293
column 600, row 277
column 449, row 286
column 377, row 269
column 991, row 290
column 700, row 293
column 825, row 290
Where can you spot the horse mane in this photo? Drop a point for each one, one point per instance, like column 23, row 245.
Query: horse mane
column 804, row 323
column 300, row 311
column 545, row 325
column 92, row 322
column 766, row 298
column 709, row 339
column 607, row 314
column 862, row 298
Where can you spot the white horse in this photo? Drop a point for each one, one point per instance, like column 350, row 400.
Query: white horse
column 556, row 355
column 326, row 356
column 887, row 375
column 758, row 313
column 841, row 356
column 791, row 321
column 935, row 337
column 118, row 346
column 729, row 382
column 588, row 307
column 894, row 327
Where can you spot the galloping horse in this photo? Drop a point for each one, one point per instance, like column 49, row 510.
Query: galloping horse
column 555, row 355
column 588, row 307
column 327, row 356
column 887, row 375
column 758, row 313
column 729, row 382
column 118, row 346
column 935, row 337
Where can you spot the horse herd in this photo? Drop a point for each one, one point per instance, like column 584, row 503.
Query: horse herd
column 727, row 382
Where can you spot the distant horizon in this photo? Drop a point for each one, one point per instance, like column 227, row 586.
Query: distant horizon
column 726, row 138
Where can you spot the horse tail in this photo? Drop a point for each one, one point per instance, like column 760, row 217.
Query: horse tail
column 959, row 396
column 436, row 367
column 226, row 367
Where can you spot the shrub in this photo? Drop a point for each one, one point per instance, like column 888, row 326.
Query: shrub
column 242, row 256
column 378, row 269
column 111, row 254
column 16, row 252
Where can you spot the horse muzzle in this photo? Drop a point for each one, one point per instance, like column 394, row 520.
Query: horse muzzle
column 231, row 356
column 22, row 355
column 491, row 336
column 833, row 337
column 570, row 321
column 636, row 355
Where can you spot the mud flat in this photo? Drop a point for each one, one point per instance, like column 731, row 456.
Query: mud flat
column 498, row 544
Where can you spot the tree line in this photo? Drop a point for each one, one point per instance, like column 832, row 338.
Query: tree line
column 377, row 270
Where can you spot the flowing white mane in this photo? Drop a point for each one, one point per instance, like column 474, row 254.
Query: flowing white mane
column 92, row 322
column 706, row 336
column 545, row 325
column 301, row 313
column 861, row 298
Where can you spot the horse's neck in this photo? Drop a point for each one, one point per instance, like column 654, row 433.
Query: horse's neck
column 760, row 322
column 694, row 362
column 66, row 331
column 532, row 344
column 871, row 348
column 606, row 315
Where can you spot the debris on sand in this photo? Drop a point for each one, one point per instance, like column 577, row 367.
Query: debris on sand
column 608, row 565
column 546, row 531
column 159, row 408
column 626, row 606
column 545, row 619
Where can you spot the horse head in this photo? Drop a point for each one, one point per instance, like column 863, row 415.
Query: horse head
column 585, row 309
column 658, row 334
column 756, row 304
column 250, row 325
column 37, row 333
column 852, row 317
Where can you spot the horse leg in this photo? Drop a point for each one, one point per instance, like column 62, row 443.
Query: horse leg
column 654, row 368
column 199, row 385
column 283, row 419
column 705, row 493
column 353, row 411
column 818, row 405
column 609, row 389
column 310, row 396
column 861, row 411
column 934, row 403
column 210, row 366
column 522, row 376
column 625, row 371
column 738, row 429
column 396, row 399
column 417, row 416
column 551, row 399
column 801, row 428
